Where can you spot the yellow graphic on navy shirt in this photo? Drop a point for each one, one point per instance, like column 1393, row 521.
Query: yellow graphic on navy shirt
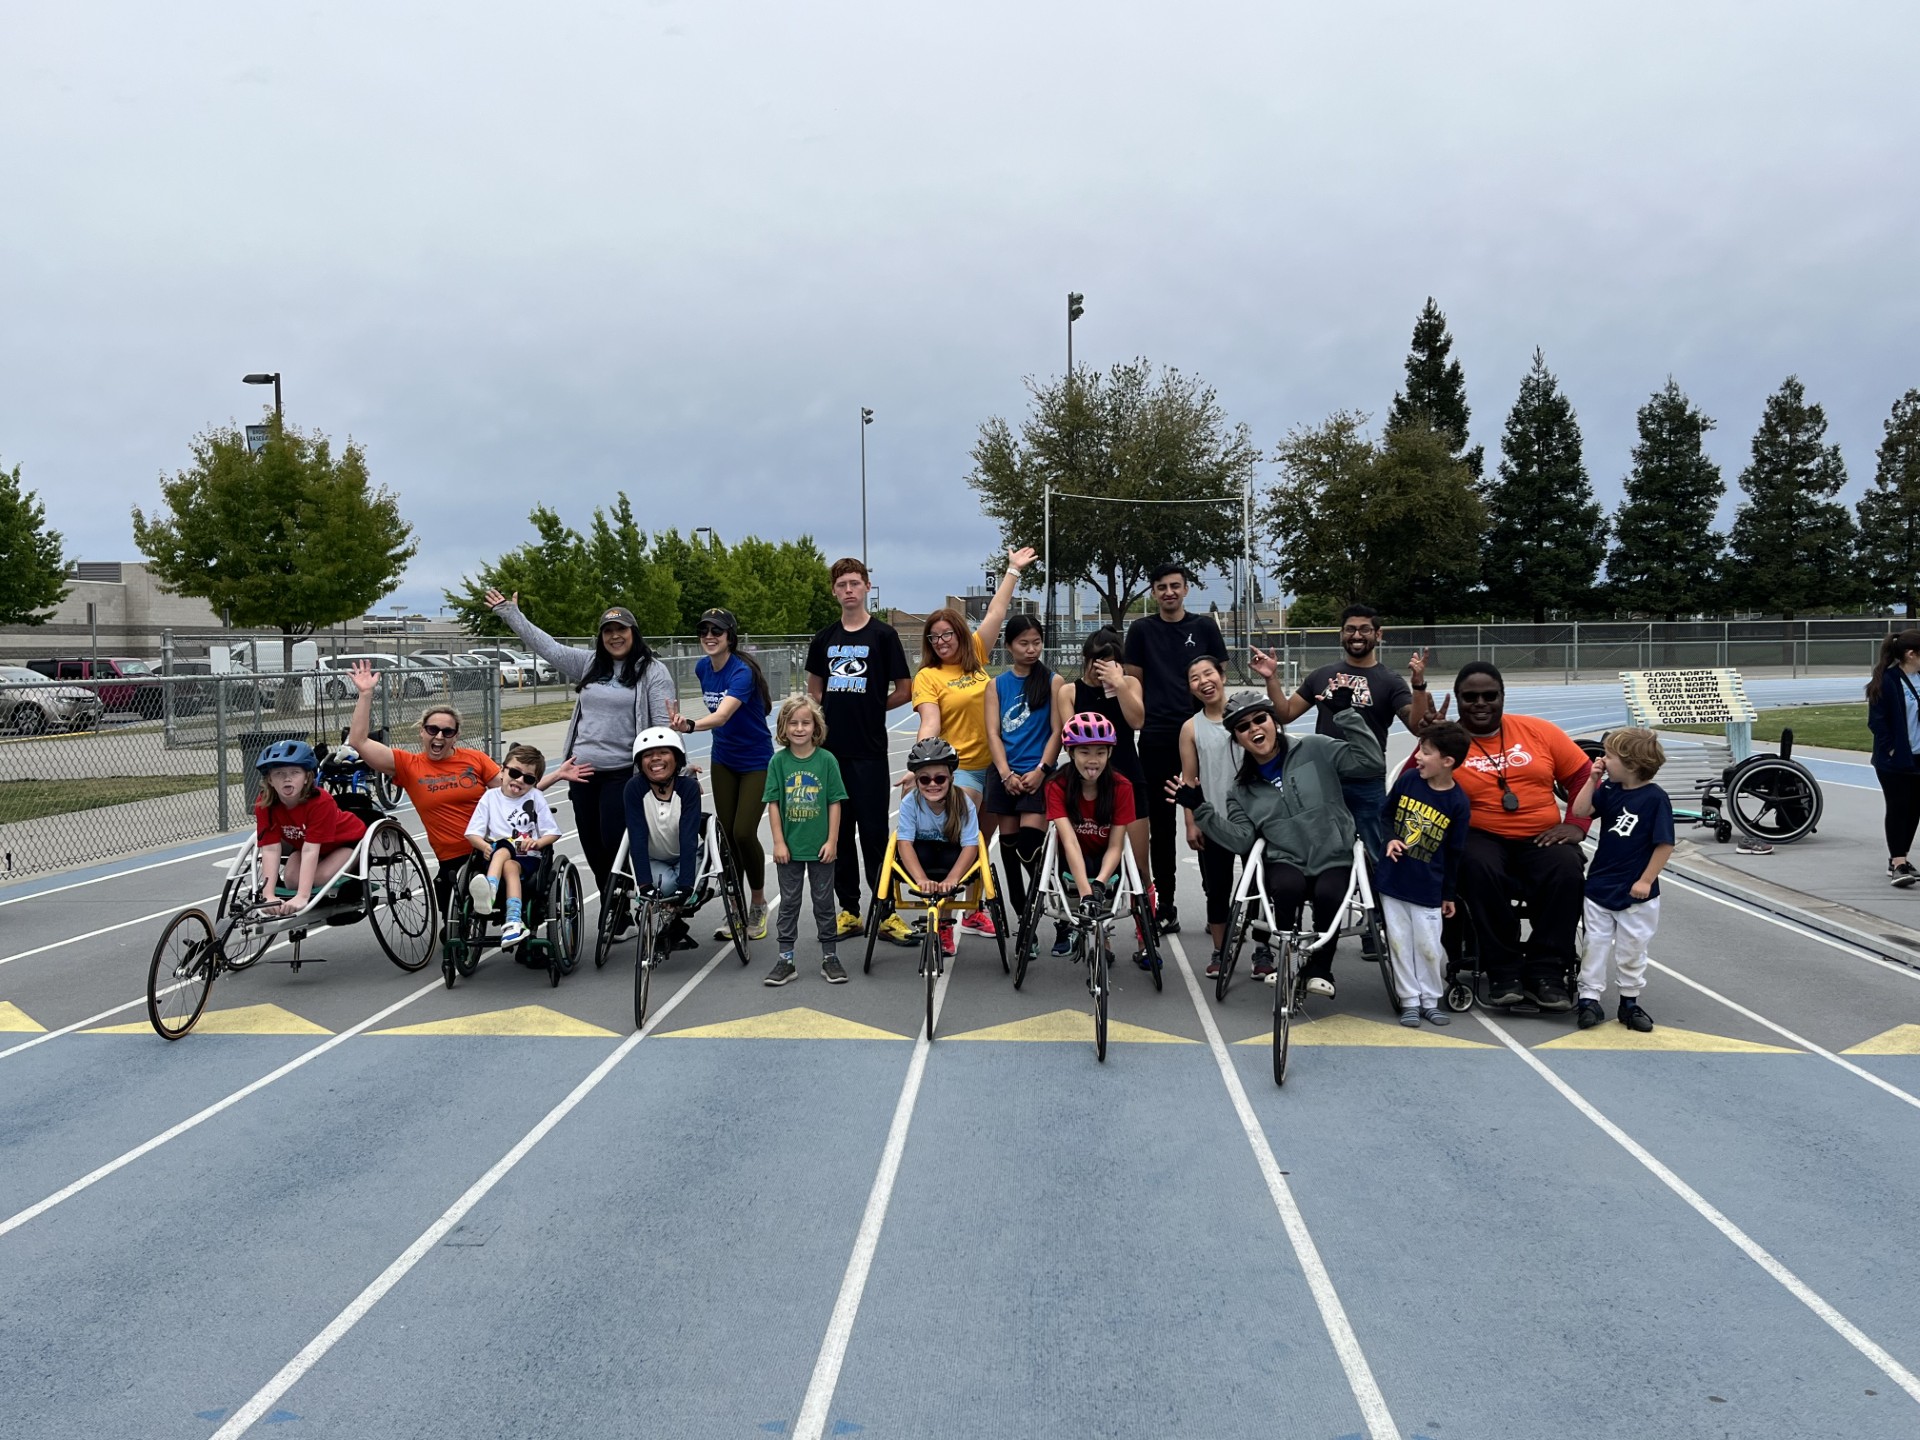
column 1420, row 827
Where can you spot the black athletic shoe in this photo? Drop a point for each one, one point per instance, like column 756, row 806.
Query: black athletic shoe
column 1505, row 992
column 1588, row 1014
column 1551, row 995
column 1167, row 919
column 1633, row 1017
column 1901, row 874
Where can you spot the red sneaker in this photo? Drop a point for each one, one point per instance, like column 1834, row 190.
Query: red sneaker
column 979, row 922
column 948, row 944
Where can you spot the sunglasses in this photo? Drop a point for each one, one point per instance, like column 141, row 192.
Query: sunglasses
column 1476, row 697
column 1241, row 727
column 438, row 732
column 514, row 772
column 932, row 782
column 706, row 630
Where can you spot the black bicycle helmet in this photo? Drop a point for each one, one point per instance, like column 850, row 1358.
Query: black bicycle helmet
column 932, row 751
column 1247, row 702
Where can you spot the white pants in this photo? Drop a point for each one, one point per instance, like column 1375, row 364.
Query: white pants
column 1622, row 936
column 1413, row 938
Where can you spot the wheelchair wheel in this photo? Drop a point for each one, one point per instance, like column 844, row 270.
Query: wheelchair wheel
column 615, row 907
column 1237, row 925
column 1099, row 982
column 1459, row 996
column 1284, row 980
column 643, row 972
column 1373, row 946
column 1026, row 944
column 877, row 913
column 1774, row 800
column 239, row 955
column 472, row 935
column 734, row 894
column 400, row 898
column 997, row 911
column 930, row 961
column 181, row 975
column 1147, row 934
column 564, row 904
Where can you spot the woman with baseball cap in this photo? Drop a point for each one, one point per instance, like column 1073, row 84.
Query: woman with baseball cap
column 622, row 690
column 737, row 704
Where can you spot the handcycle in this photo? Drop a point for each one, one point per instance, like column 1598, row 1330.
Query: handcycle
column 650, row 913
column 896, row 892
column 1252, row 916
column 1047, row 899
column 385, row 882
column 555, row 911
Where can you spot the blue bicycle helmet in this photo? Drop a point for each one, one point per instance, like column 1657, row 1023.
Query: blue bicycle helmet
column 288, row 752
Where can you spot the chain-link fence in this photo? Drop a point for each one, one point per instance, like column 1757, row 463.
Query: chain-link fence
column 94, row 770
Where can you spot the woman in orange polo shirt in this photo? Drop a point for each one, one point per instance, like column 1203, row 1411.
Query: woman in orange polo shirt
column 1519, row 846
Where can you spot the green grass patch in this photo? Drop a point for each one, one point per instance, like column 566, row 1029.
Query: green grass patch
column 1836, row 727
column 36, row 799
column 547, row 713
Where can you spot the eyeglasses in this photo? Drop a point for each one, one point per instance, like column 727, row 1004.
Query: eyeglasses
column 938, row 635
column 706, row 630
column 1353, row 631
column 1476, row 697
column 932, row 782
column 514, row 772
column 438, row 731
column 1242, row 726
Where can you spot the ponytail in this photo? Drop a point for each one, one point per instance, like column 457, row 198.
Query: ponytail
column 1893, row 649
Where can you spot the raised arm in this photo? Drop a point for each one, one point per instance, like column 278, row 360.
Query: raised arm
column 1017, row 560
column 569, row 660
column 1288, row 705
column 379, row 756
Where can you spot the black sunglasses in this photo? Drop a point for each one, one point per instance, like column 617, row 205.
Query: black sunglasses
column 712, row 630
column 931, row 782
column 437, row 731
column 1474, row 697
column 1240, row 727
column 516, row 773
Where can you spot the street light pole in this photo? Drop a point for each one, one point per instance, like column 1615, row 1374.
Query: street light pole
column 866, row 419
column 262, row 378
column 1075, row 309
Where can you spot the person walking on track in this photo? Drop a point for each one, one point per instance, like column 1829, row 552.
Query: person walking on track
column 1893, row 715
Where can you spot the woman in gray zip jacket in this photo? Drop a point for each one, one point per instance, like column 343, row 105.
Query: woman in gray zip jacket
column 623, row 689
column 1288, row 794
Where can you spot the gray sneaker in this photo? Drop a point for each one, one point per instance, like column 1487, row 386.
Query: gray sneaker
column 782, row 971
column 831, row 970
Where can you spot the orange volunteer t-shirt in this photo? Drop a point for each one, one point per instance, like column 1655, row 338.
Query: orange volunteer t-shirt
column 1532, row 753
column 444, row 793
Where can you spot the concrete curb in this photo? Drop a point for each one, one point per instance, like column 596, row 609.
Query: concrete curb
column 1839, row 922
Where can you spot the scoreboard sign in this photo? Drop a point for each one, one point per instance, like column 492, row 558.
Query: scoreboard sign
column 1686, row 697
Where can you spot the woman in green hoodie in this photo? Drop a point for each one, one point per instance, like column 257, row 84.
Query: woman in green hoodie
column 1288, row 794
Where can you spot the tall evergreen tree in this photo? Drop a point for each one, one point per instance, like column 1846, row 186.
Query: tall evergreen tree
column 1666, row 553
column 1792, row 544
column 1890, row 512
column 1436, row 393
column 1546, row 535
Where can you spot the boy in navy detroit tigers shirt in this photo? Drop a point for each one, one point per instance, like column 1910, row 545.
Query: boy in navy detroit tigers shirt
column 1623, row 883
column 1426, row 835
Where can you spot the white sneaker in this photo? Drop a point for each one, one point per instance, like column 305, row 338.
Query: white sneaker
column 1319, row 985
column 512, row 935
column 480, row 891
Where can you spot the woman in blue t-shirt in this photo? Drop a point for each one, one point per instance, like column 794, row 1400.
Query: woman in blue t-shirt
column 1024, row 742
column 737, row 705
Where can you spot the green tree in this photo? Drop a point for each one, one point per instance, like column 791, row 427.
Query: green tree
column 1395, row 523
column 1890, row 512
column 623, row 564
column 1546, row 535
column 292, row 538
column 1792, row 542
column 32, row 569
column 1436, row 393
column 552, row 574
column 1130, row 439
column 1666, row 554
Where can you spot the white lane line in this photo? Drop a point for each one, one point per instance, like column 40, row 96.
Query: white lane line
column 1785, row 924
column 134, row 870
column 1783, row 1032
column 107, row 929
column 1333, row 1315
column 315, row 1349
column 812, row 1423
column 1792, row 1283
column 81, row 1024
column 92, row 1177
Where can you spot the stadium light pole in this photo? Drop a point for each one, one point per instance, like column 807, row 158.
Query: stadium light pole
column 866, row 419
column 262, row 378
column 1076, row 307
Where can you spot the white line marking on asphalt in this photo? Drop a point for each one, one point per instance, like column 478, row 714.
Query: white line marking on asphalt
column 812, row 1423
column 1792, row 1283
column 147, row 1147
column 1785, row 924
column 81, row 1024
column 117, row 874
column 108, row 929
column 1800, row 1040
column 315, row 1349
column 1333, row 1315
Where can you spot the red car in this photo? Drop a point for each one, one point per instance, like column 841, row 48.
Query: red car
column 142, row 698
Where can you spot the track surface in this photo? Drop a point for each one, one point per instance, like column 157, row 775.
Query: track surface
column 814, row 1223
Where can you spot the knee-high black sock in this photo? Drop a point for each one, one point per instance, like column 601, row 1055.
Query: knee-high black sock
column 1024, row 847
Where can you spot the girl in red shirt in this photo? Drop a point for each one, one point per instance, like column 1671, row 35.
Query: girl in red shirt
column 294, row 812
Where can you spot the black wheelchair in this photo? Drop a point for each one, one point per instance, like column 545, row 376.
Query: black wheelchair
column 553, row 909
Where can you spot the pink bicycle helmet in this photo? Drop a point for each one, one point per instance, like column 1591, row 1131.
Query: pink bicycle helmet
column 1088, row 729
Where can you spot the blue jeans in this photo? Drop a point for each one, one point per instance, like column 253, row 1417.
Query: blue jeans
column 1367, row 803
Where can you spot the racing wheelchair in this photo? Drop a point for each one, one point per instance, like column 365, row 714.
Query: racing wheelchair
column 555, row 910
column 653, row 915
column 1252, row 916
column 896, row 893
column 385, row 882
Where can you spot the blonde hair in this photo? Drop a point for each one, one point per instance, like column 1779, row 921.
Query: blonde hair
column 800, row 702
column 1639, row 750
column 270, row 797
column 433, row 710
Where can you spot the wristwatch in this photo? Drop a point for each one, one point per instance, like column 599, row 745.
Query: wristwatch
column 1421, row 686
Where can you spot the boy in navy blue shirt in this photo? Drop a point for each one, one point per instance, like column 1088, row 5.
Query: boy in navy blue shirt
column 1623, row 883
column 1427, row 817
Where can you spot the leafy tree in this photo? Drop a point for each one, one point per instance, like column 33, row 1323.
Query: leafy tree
column 1129, row 438
column 1666, row 553
column 1546, row 536
column 1792, row 542
column 621, row 563
column 553, row 575
column 31, row 566
column 1890, row 512
column 1436, row 393
column 1395, row 523
column 292, row 538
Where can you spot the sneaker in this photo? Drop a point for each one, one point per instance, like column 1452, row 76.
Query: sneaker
column 480, row 891
column 1214, row 962
column 1410, row 1019
column 1433, row 1015
column 1062, row 940
column 1588, row 1014
column 1263, row 964
column 832, row 972
column 1633, row 1017
column 679, row 937
column 1140, row 959
column 980, row 923
column 896, row 931
column 849, row 924
column 756, row 925
column 948, row 941
column 782, row 971
column 1168, row 919
column 1901, row 874
column 1320, row 985
column 1552, row 996
column 1505, row 992
column 516, row 932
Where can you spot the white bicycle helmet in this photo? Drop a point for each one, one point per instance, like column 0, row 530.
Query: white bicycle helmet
column 659, row 737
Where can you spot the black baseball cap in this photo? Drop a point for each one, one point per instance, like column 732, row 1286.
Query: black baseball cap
column 723, row 618
column 620, row 615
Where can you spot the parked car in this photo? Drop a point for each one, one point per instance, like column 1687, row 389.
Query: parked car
column 531, row 671
column 138, row 695
column 419, row 681
column 242, row 688
column 29, row 705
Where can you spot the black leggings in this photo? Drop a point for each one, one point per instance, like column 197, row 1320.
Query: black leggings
column 863, row 818
column 600, row 814
column 1216, row 880
column 1902, row 789
column 1160, row 759
column 1289, row 888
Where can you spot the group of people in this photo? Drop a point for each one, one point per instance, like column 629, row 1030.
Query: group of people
column 1146, row 732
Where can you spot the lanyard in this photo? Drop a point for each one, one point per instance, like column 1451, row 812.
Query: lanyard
column 1509, row 801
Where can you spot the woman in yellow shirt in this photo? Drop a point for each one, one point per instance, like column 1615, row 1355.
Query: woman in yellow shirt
column 949, row 691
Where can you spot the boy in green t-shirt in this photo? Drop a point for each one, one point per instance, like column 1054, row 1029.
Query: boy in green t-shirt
column 803, row 797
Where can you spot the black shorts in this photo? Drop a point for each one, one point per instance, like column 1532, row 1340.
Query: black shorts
column 996, row 800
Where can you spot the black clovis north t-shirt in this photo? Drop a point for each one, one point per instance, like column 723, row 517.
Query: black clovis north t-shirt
column 1163, row 649
column 857, row 670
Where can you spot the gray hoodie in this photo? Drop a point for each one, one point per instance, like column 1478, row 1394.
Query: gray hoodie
column 603, row 726
column 1305, row 823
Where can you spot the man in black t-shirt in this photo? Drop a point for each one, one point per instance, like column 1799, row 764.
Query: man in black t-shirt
column 1160, row 646
column 857, row 670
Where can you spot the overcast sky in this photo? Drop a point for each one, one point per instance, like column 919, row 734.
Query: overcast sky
column 531, row 254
